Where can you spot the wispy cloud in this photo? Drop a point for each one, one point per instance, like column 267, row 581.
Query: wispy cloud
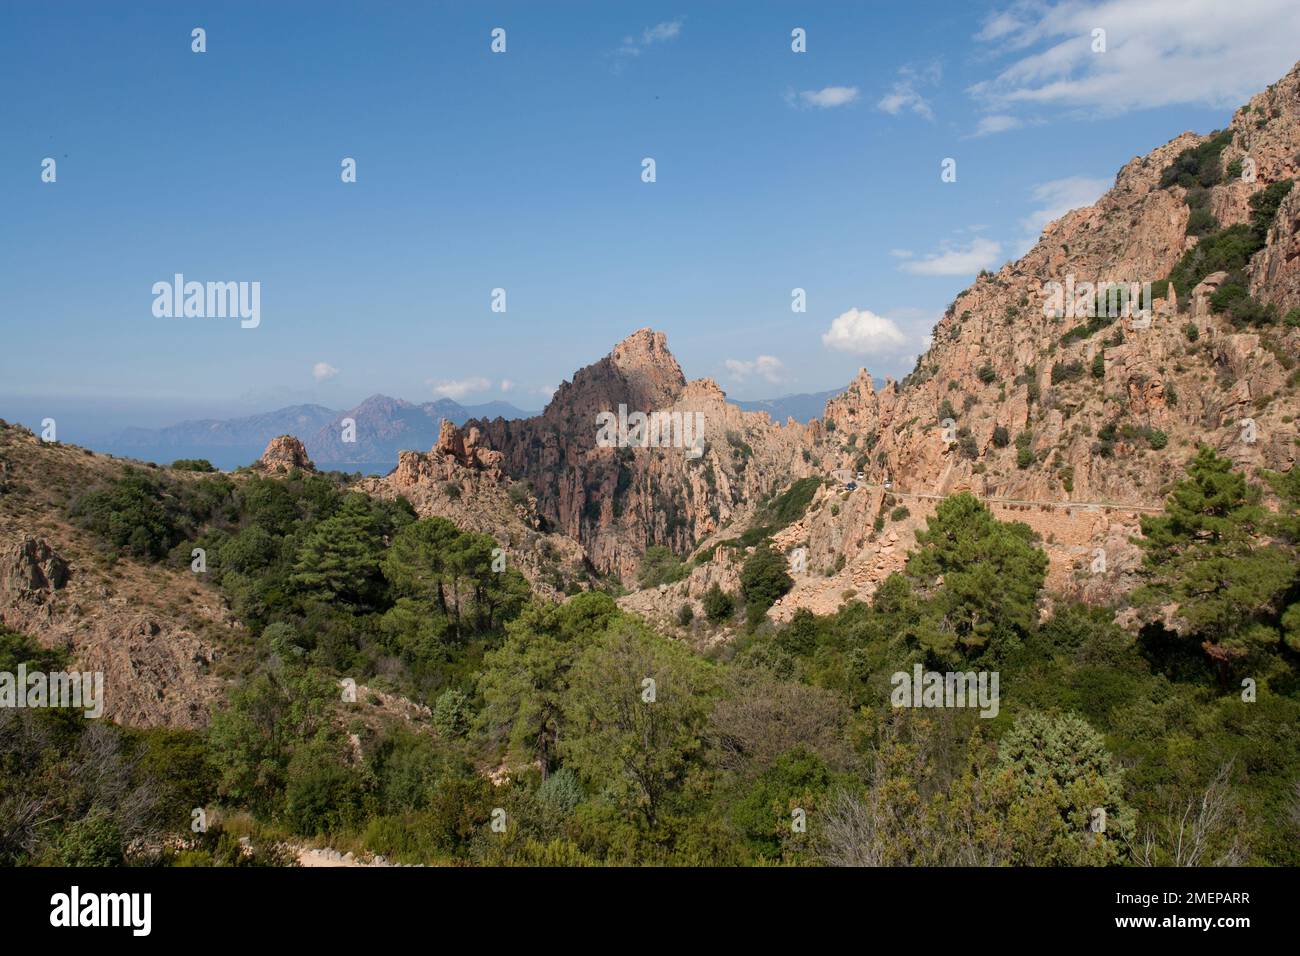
column 997, row 123
column 904, row 95
column 827, row 97
column 863, row 332
column 1157, row 53
column 323, row 371
column 458, row 388
column 957, row 260
column 659, row 33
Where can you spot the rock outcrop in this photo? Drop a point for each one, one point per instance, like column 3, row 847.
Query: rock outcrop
column 284, row 454
column 461, row 479
column 616, row 498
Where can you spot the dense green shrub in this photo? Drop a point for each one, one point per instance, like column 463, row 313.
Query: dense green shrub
column 1199, row 165
column 1067, row 372
column 718, row 604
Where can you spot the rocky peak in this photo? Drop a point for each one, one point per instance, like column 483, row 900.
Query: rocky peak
column 639, row 372
column 283, row 454
column 644, row 360
column 465, row 447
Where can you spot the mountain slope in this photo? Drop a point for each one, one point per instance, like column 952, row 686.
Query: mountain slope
column 1075, row 423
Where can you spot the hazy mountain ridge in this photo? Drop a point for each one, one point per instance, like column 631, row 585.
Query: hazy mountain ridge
column 802, row 407
column 384, row 426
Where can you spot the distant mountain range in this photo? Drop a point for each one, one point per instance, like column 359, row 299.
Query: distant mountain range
column 384, row 426
column 802, row 408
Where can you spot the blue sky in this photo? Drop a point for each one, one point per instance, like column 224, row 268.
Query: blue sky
column 522, row 170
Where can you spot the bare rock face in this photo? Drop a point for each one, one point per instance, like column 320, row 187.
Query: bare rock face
column 618, row 498
column 155, row 672
column 30, row 567
column 450, row 442
column 285, row 454
column 1275, row 272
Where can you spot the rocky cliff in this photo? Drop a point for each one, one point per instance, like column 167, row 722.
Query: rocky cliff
column 616, row 501
column 1076, row 422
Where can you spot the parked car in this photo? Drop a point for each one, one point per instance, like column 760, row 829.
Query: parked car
column 852, row 485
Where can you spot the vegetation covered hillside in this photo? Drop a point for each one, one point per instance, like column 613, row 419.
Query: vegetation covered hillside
column 403, row 700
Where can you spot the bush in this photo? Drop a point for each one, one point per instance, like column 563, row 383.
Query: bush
column 986, row 373
column 685, row 615
column 1198, row 166
column 1263, row 208
column 1099, row 365
column 134, row 513
column 1095, row 324
column 1227, row 250
column 1066, row 372
column 452, row 713
column 1000, row 437
column 718, row 605
column 1201, row 223
column 899, row 513
column 763, row 579
column 1233, row 298
column 192, row 464
column 94, row 840
column 789, row 506
column 1024, row 450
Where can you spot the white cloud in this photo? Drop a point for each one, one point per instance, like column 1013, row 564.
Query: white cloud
column 903, row 95
column 507, row 385
column 659, row 33
column 323, row 371
column 1158, row 53
column 767, row 367
column 862, row 331
column 997, row 123
column 957, row 260
column 901, row 253
column 458, row 388
column 828, row 97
